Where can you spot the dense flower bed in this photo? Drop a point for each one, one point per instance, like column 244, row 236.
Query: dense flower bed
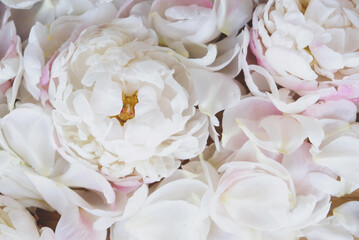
column 176, row 120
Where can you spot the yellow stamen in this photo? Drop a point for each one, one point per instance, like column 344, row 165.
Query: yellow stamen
column 128, row 109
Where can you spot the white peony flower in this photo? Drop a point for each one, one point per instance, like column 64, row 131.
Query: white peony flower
column 307, row 52
column 122, row 105
column 17, row 223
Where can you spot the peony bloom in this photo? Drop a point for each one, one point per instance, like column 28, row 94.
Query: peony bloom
column 306, row 52
column 11, row 65
column 124, row 107
column 257, row 198
column 17, row 223
column 192, row 28
column 121, row 104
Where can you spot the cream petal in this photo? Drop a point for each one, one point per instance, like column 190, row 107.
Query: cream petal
column 233, row 15
column 348, row 215
column 78, row 175
column 286, row 61
column 215, row 91
column 164, row 220
column 28, row 131
column 341, row 156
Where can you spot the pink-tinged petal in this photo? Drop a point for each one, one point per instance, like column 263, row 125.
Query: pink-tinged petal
column 127, row 184
column 13, row 92
column 340, row 109
column 347, row 89
column 256, row 45
column 34, row 59
column 228, row 54
column 46, row 72
column 232, row 15
column 5, row 86
column 252, row 109
column 312, row 129
column 291, row 106
column 126, row 7
column 51, row 192
column 299, row 164
column 75, row 223
column 284, row 132
column 136, row 201
column 12, row 50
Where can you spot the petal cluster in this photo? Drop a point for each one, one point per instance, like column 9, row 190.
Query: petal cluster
column 179, row 120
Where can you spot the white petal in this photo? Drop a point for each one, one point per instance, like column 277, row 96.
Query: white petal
column 29, row 133
column 287, row 61
column 348, row 216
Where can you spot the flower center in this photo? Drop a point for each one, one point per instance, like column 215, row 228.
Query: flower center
column 128, row 109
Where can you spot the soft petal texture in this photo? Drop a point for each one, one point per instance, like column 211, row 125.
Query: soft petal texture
column 17, row 223
column 20, row 3
column 43, row 42
column 37, row 176
column 189, row 28
column 75, row 223
column 257, row 195
column 30, row 141
column 348, row 215
column 233, row 15
column 329, row 228
column 11, row 58
column 264, row 124
column 215, row 92
column 177, row 208
column 123, row 106
column 306, row 53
